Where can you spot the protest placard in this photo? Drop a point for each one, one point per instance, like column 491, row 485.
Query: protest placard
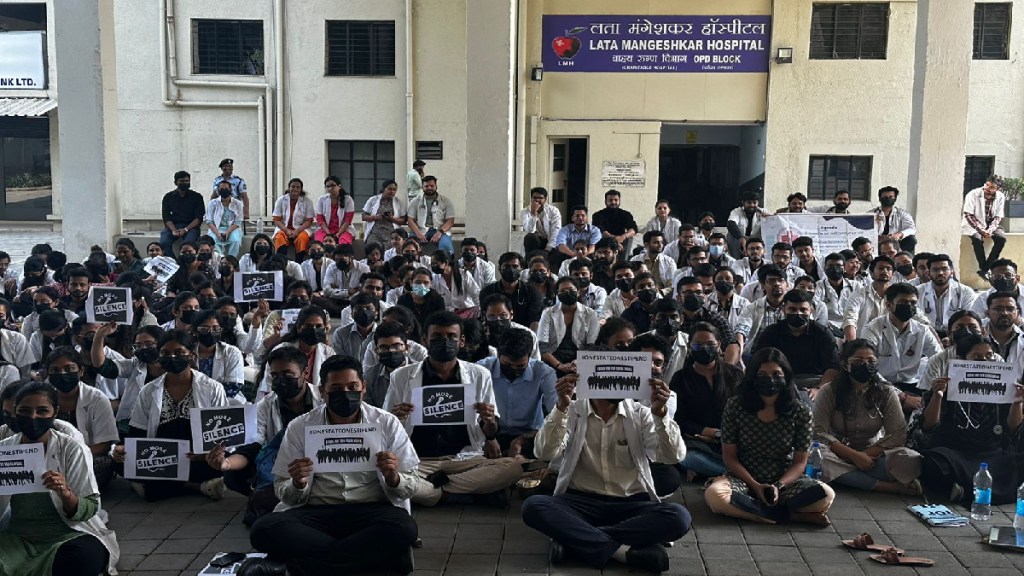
column 229, row 426
column 980, row 381
column 830, row 232
column 256, row 286
column 444, row 404
column 156, row 459
column 21, row 469
column 163, row 267
column 613, row 374
column 290, row 315
column 343, row 447
column 109, row 304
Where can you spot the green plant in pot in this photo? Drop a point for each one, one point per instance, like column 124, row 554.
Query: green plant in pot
column 1013, row 188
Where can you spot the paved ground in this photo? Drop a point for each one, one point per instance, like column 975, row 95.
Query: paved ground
column 180, row 536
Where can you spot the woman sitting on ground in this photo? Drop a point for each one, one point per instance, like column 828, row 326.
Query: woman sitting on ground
column 859, row 421
column 766, row 435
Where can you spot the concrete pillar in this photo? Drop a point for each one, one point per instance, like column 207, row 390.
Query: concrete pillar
column 87, row 130
column 490, row 141
column 938, row 129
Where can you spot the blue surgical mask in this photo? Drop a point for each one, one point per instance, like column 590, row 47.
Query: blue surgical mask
column 716, row 250
column 420, row 290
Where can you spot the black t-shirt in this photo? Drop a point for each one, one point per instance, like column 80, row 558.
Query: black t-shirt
column 813, row 352
column 614, row 221
column 527, row 302
column 433, row 441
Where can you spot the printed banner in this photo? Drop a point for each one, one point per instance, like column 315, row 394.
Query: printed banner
column 708, row 44
column 343, row 447
column 979, row 381
column 289, row 315
column 21, row 469
column 614, row 375
column 156, row 459
column 109, row 304
column 830, row 232
column 255, row 286
column 443, row 405
column 230, row 426
column 163, row 267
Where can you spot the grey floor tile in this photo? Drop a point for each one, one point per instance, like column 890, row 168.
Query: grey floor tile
column 165, row 562
column 182, row 546
column 789, row 554
column 137, row 546
column 478, row 546
column 783, row 569
column 516, row 563
column 479, row 563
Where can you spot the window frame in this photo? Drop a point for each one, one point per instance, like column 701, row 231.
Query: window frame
column 979, row 34
column 429, row 150
column 833, row 34
column 969, row 172
column 348, row 178
column 194, row 29
column 823, row 193
column 373, row 47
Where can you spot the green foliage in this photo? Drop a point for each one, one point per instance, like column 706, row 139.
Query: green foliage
column 1013, row 188
column 27, row 180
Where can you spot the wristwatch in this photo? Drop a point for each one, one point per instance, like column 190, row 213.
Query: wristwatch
column 718, row 434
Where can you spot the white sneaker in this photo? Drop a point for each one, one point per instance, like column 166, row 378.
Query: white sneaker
column 213, row 489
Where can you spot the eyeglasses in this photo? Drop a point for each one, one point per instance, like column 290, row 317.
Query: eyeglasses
column 1004, row 309
column 208, row 330
column 493, row 318
column 69, row 369
column 175, row 354
column 144, row 346
column 392, row 348
column 862, row 362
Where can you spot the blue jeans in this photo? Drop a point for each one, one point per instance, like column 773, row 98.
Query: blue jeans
column 167, row 239
column 703, row 463
column 229, row 247
column 445, row 243
column 866, row 480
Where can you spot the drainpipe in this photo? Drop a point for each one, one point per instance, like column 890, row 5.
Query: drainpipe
column 279, row 85
column 410, row 147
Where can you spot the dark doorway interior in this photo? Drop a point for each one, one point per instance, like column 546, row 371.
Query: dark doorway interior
column 576, row 173
column 25, row 181
column 698, row 178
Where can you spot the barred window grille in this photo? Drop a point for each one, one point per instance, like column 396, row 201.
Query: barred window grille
column 849, row 31
column 362, row 166
column 992, row 30
column 360, row 48
column 828, row 174
column 977, row 169
column 227, row 47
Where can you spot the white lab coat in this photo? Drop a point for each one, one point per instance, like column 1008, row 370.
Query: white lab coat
column 398, row 210
column 304, row 210
column 206, row 392
column 585, row 326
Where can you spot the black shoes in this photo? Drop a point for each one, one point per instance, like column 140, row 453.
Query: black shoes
column 557, row 553
column 651, row 558
column 261, row 567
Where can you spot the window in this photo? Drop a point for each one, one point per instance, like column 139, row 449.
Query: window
column 430, row 150
column 360, row 48
column 362, row 166
column 828, row 174
column 977, row 169
column 22, row 17
column 992, row 31
column 849, row 31
column 227, row 47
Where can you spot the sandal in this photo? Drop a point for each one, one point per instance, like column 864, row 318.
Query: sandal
column 891, row 556
column 866, row 543
column 912, row 488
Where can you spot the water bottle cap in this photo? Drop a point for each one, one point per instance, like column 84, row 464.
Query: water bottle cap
column 817, row 444
column 984, row 466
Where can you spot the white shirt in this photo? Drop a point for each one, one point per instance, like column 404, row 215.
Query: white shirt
column 669, row 229
column 740, row 218
column 974, row 204
column 371, row 206
column 546, row 223
column 552, row 327
column 835, row 303
column 900, row 353
column 304, row 210
column 338, row 283
column 938, row 309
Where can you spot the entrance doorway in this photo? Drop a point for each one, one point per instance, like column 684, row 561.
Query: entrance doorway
column 568, row 173
column 26, row 191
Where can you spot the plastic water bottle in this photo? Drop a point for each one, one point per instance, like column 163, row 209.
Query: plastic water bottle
column 1018, row 519
column 982, row 507
column 814, row 462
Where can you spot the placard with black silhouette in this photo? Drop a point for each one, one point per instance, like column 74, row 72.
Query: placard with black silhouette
column 986, row 382
column 109, row 304
column 21, row 469
column 163, row 267
column 156, row 459
column 256, row 286
column 226, row 426
column 343, row 447
column 613, row 375
column 443, row 405
column 290, row 315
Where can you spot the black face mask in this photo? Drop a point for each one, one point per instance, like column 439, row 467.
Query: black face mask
column 208, row 339
column 887, row 202
column 174, row 364
column 496, row 327
column 442, row 349
column 707, row 226
column 692, row 302
column 583, row 283
column 723, row 287
column 568, row 298
column 187, row 258
column 40, row 308
column 204, row 256
column 538, row 277
column 624, row 284
column 409, row 257
column 509, row 275
column 316, row 254
column 224, row 271
column 364, row 317
column 391, row 360
column 285, row 387
column 311, row 336
column 11, row 422
column 344, row 403
column 797, row 320
column 33, row 428
column 842, row 207
column 834, row 273
column 342, row 264
column 905, row 270
column 704, row 355
column 187, row 316
column 65, row 382
column 666, row 327
column 228, row 320
column 904, row 312
column 863, row 372
column 769, row 385
column 962, row 332
column 147, row 355
column 511, row 373
column 297, row 303
column 205, row 302
column 1004, row 284
column 224, row 192
column 183, row 187
column 647, row 295
column 437, row 269
column 468, row 257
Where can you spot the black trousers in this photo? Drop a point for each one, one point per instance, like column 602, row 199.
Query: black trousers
column 534, row 241
column 984, row 262
column 592, row 527
column 83, row 555
column 336, row 539
column 908, row 243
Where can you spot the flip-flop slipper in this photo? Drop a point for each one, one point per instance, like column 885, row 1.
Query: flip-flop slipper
column 890, row 556
column 864, row 542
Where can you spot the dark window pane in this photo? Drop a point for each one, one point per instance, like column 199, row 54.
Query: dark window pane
column 360, row 48
column 992, row 31
column 977, row 169
column 826, row 175
column 849, row 31
column 430, row 150
column 362, row 165
column 227, row 47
